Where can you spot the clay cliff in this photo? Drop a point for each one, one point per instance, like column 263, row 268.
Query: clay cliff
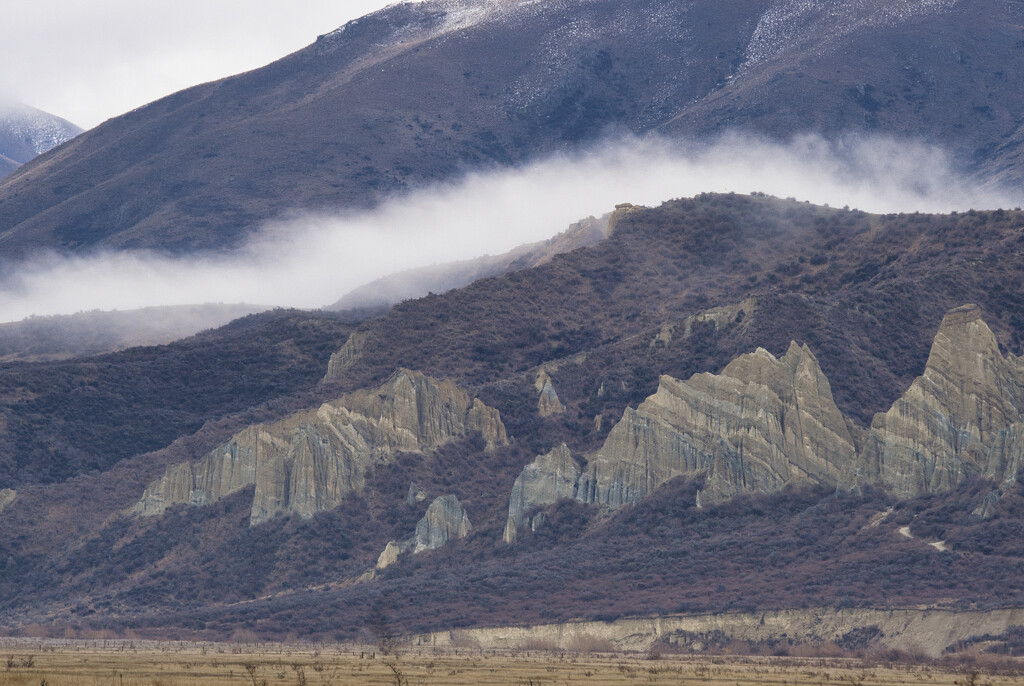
column 961, row 418
column 760, row 424
column 444, row 520
column 545, row 481
column 766, row 422
column 7, row 496
column 547, row 403
column 347, row 356
column 310, row 461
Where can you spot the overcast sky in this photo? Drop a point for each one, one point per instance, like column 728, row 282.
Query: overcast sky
column 89, row 61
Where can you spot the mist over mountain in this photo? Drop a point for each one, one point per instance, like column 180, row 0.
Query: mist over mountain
column 420, row 92
column 26, row 132
column 90, row 333
column 311, row 260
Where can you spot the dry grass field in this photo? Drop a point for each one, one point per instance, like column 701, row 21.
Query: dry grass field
column 136, row 663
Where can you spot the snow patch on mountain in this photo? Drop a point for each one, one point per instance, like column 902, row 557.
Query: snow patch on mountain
column 26, row 132
column 794, row 24
column 435, row 18
column 561, row 50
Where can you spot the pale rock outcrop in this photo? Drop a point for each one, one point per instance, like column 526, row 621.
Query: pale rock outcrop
column 444, row 520
column 927, row 629
column 987, row 507
column 7, row 497
column 414, row 495
column 718, row 316
column 347, row 356
column 961, row 418
column 622, row 209
column 310, row 461
column 766, row 422
column 760, row 424
column 548, row 403
column 545, row 481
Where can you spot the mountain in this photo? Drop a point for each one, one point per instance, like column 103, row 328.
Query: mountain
column 415, row 283
column 26, row 132
column 90, row 333
column 731, row 404
column 426, row 91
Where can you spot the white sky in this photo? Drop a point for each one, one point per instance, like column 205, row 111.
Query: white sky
column 89, row 60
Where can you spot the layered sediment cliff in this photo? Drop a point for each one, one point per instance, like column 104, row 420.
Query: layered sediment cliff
column 910, row 630
column 961, row 418
column 444, row 520
column 760, row 424
column 765, row 422
column 545, row 481
column 310, row 461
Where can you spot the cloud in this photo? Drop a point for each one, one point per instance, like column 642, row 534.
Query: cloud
column 313, row 261
column 89, row 61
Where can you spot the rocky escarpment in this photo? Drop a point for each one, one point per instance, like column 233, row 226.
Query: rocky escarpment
column 961, row 418
column 547, row 403
column 765, row 422
column 760, row 424
column 716, row 317
column 7, row 496
column 544, row 481
column 347, row 356
column 928, row 630
column 444, row 520
column 310, row 461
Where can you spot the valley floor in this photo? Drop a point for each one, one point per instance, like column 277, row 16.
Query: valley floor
column 132, row 663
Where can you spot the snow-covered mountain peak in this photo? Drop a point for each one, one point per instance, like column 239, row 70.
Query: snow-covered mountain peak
column 26, row 131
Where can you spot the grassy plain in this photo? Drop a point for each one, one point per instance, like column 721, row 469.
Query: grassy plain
column 134, row 663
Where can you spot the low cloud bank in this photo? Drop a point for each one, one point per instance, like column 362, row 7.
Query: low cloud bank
column 313, row 261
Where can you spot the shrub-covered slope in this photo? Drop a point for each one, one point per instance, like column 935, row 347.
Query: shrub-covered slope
column 682, row 288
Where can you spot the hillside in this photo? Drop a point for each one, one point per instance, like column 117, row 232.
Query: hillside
column 239, row 525
column 62, row 418
column 422, row 92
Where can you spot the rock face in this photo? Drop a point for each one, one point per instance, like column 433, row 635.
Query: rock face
column 931, row 630
column 765, row 422
column 760, row 424
column 548, row 402
column 347, row 356
column 310, row 461
column 961, row 418
column 7, row 496
column 545, row 481
column 444, row 520
column 716, row 316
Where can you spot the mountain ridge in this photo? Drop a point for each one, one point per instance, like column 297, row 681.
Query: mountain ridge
column 321, row 131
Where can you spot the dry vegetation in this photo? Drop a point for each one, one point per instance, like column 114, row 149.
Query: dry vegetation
column 135, row 663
